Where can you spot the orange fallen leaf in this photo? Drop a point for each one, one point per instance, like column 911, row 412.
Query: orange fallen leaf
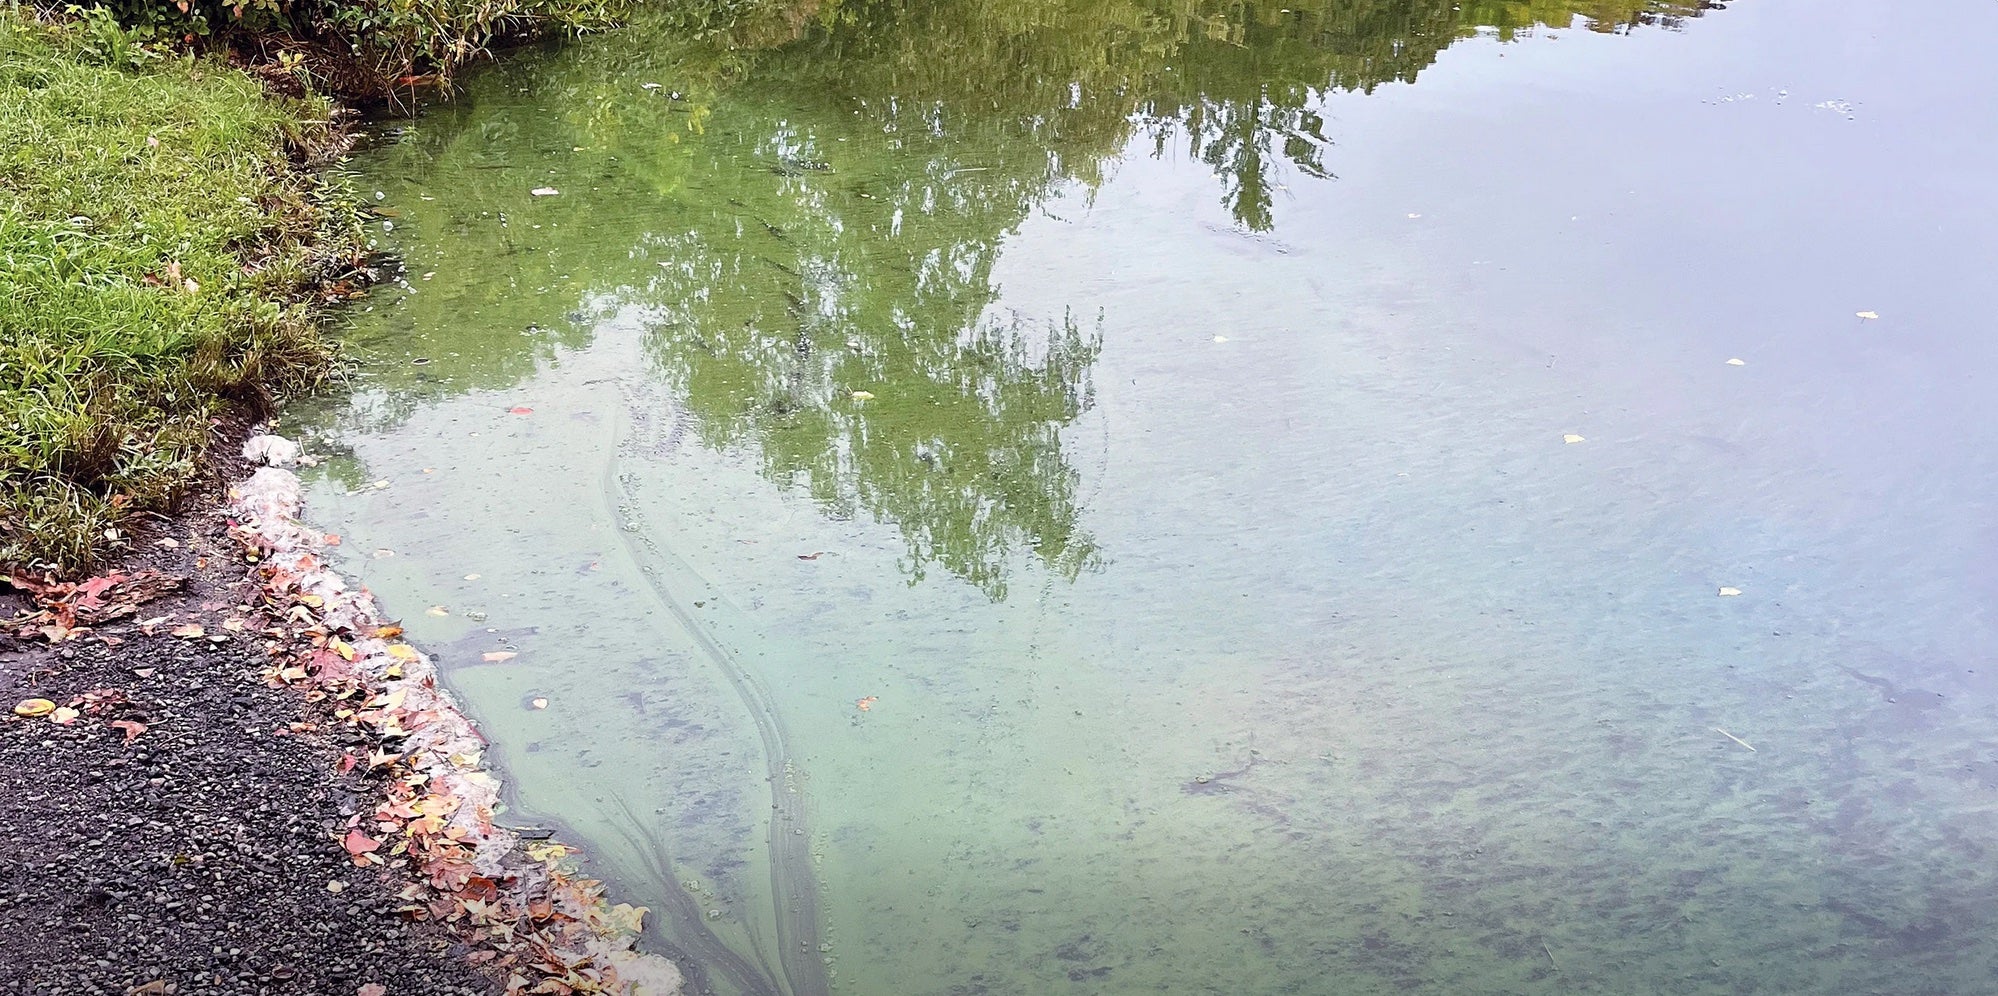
column 389, row 632
column 867, row 702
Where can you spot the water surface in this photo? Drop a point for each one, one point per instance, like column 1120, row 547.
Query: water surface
column 1132, row 497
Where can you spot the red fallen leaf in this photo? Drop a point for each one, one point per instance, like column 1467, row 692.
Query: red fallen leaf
column 359, row 843
column 520, row 410
column 132, row 729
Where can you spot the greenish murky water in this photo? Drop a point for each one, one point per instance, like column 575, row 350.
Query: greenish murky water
column 1117, row 496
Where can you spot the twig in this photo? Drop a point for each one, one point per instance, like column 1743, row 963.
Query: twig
column 1734, row 738
column 1550, row 956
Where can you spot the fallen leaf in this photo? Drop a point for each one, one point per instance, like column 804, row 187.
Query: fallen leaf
column 233, row 624
column 471, row 577
column 1220, row 338
column 539, row 703
column 499, row 656
column 372, row 989
column 358, row 843
column 383, row 554
column 867, row 702
column 131, row 728
column 64, row 715
column 863, row 395
column 332, row 539
column 389, row 632
column 1729, row 592
column 436, row 610
column 1737, row 362
column 1867, row 315
column 34, row 707
column 520, row 410
column 169, row 542
column 402, row 651
column 191, row 631
column 544, row 191
column 1572, row 438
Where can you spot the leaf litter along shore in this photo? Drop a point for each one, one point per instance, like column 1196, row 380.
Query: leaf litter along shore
column 416, row 819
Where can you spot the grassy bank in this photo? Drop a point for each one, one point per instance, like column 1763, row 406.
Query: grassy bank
column 156, row 234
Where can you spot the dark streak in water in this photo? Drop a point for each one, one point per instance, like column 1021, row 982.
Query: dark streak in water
column 793, row 881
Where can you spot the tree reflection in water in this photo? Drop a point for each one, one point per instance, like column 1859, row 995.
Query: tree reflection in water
column 811, row 198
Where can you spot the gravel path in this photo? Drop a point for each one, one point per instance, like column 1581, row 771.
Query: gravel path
column 196, row 852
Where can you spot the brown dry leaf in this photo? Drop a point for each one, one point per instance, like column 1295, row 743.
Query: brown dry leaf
column 34, row 707
column 499, row 656
column 131, row 728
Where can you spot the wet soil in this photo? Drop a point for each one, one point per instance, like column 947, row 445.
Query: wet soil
column 195, row 847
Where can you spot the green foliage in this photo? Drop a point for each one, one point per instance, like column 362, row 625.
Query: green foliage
column 151, row 234
column 362, row 48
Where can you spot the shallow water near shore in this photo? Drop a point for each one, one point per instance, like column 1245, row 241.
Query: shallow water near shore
column 1114, row 499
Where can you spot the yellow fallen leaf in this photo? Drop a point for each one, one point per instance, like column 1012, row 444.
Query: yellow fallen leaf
column 389, row 632
column 341, row 647
column 402, row 651
column 34, row 707
column 1572, row 438
column 1867, row 315
column 1729, row 592
column 499, row 656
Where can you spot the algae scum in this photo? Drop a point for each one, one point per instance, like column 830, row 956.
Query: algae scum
column 1129, row 498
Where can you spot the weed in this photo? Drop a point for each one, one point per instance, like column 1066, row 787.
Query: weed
column 154, row 236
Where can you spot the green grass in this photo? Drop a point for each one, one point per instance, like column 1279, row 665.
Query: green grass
column 154, row 239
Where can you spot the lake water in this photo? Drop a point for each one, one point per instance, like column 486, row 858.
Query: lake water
column 1116, row 496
